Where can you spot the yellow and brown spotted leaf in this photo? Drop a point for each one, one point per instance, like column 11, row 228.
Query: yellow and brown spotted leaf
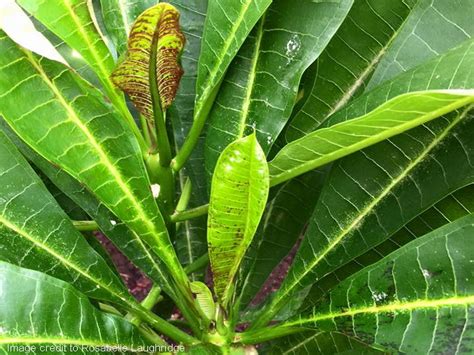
column 132, row 75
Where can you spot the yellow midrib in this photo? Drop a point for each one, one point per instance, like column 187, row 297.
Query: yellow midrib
column 390, row 308
column 72, row 116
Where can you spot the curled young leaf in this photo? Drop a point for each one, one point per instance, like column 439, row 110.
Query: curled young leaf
column 158, row 26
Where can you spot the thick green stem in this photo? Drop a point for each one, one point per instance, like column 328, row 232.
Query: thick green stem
column 180, row 216
column 262, row 335
column 163, row 326
column 198, row 264
column 148, row 303
column 86, row 226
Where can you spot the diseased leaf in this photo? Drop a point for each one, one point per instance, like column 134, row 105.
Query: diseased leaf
column 238, row 196
column 433, row 28
column 36, row 309
column 260, row 88
column 37, row 234
column 416, row 300
column 394, row 117
column 85, row 138
column 345, row 67
column 156, row 31
column 118, row 17
column 228, row 22
column 375, row 192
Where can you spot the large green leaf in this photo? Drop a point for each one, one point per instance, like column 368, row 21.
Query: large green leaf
column 238, row 196
column 71, row 21
column 67, row 122
column 451, row 208
column 37, row 310
column 260, row 88
column 122, row 237
column 118, row 17
column 375, row 192
column 228, row 23
column 36, row 233
column 394, row 117
column 285, row 218
column 346, row 65
column 416, row 300
column 434, row 27
column 191, row 236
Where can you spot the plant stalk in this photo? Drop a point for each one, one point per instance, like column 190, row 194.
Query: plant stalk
column 86, row 226
column 198, row 264
column 262, row 335
column 180, row 216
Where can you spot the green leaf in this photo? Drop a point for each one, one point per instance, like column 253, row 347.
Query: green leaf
column 37, row 234
column 259, row 90
column 191, row 236
column 394, row 117
column 455, row 206
column 239, row 193
column 228, row 23
column 155, row 41
column 84, row 137
column 38, row 310
column 434, row 27
column 121, row 236
column 319, row 343
column 118, row 18
column 345, row 67
column 285, row 218
column 71, row 21
column 204, row 300
column 375, row 192
column 416, row 300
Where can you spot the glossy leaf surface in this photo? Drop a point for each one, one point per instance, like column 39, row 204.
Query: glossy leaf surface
column 260, row 88
column 36, row 309
column 36, row 233
column 394, row 117
column 238, row 196
column 416, row 300
column 228, row 23
column 84, row 137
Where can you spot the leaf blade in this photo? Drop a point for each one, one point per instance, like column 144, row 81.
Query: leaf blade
column 29, row 292
column 238, row 196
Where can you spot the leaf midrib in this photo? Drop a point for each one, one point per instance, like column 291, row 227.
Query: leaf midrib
column 455, row 301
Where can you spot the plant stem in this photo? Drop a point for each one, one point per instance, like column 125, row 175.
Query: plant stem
column 180, row 216
column 148, row 303
column 152, row 336
column 262, row 335
column 197, row 264
column 163, row 326
column 86, row 226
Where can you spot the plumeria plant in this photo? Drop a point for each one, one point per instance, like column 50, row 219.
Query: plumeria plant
column 216, row 142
